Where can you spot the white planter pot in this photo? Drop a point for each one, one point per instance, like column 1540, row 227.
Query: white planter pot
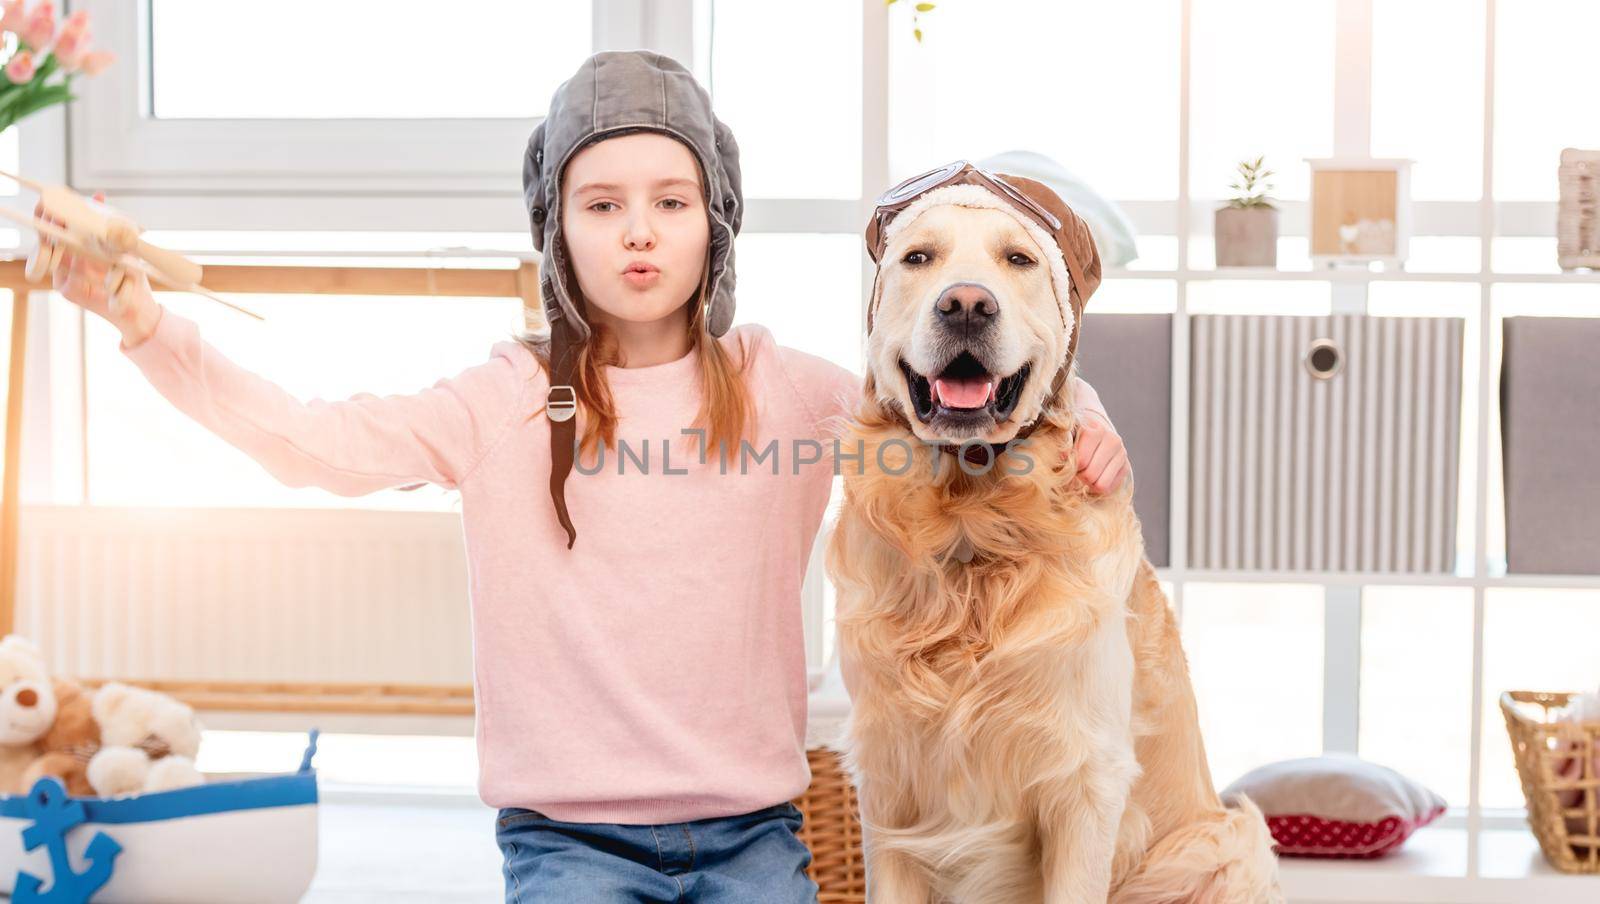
column 1247, row 237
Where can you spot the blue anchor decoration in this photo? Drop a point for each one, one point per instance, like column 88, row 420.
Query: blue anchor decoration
column 53, row 814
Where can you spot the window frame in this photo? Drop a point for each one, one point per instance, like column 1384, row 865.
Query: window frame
column 402, row 173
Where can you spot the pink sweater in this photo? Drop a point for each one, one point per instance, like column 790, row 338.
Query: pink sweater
column 656, row 671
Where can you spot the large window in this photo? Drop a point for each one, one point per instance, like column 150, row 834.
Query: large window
column 1541, row 56
column 1279, row 684
column 221, row 103
column 795, row 112
column 1432, row 114
column 981, row 82
column 1260, row 84
column 1416, row 697
column 1533, row 640
column 816, row 312
column 392, row 59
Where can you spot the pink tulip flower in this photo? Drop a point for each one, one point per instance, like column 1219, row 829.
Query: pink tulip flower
column 41, row 26
column 20, row 69
column 73, row 41
column 96, row 61
column 16, row 15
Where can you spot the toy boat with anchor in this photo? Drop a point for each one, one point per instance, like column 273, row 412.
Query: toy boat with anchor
column 234, row 839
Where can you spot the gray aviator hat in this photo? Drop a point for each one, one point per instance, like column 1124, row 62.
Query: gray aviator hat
column 613, row 93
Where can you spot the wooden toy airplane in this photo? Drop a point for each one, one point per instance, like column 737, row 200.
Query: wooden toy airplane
column 94, row 229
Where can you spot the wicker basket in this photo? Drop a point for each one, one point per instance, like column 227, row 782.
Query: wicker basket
column 1559, row 764
column 832, row 830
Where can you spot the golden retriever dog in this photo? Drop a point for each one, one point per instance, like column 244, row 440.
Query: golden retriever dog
column 1023, row 727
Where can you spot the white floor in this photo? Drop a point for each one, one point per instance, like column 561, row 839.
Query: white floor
column 390, row 852
column 443, row 852
column 1432, row 868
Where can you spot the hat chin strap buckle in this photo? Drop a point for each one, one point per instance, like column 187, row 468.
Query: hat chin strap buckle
column 561, row 409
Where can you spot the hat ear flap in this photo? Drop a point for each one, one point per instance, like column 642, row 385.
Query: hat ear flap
column 727, row 162
column 533, row 188
column 1087, row 253
column 874, row 237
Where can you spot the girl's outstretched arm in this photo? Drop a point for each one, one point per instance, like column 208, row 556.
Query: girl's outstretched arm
column 350, row 447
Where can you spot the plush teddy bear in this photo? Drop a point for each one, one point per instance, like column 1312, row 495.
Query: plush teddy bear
column 148, row 742
column 27, row 709
column 65, row 750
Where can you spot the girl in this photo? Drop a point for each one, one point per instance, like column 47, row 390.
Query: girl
column 641, row 694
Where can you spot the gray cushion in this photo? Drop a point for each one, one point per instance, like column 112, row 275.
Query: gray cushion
column 1335, row 786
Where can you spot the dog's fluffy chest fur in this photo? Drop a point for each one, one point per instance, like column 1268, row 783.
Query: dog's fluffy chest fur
column 983, row 690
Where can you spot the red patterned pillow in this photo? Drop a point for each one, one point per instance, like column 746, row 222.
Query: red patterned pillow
column 1337, row 805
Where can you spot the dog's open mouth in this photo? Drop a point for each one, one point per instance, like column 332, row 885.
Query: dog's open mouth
column 964, row 392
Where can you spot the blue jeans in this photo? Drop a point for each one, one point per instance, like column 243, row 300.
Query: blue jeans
column 755, row 858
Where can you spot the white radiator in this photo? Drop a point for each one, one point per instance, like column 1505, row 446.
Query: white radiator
column 246, row 595
column 1357, row 471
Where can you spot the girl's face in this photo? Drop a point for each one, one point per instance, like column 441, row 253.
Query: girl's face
column 636, row 226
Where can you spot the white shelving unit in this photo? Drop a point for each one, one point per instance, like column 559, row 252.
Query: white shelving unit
column 1470, row 855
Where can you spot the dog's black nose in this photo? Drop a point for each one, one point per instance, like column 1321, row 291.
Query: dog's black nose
column 967, row 305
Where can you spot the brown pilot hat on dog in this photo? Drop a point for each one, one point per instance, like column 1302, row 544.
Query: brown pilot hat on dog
column 1064, row 229
column 1061, row 233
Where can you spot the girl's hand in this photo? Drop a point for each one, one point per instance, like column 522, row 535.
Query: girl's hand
column 82, row 281
column 1102, row 459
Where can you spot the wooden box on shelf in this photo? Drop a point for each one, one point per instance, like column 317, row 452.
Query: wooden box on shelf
column 1360, row 210
column 1577, row 225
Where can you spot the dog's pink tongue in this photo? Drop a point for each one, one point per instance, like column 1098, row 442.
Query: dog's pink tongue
column 973, row 393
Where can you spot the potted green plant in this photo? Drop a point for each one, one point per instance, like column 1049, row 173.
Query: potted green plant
column 1247, row 227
